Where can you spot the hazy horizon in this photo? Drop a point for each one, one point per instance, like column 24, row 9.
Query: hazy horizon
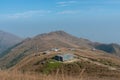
column 97, row 20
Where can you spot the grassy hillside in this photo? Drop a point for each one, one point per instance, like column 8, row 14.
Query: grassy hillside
column 6, row 75
column 43, row 42
column 94, row 63
column 39, row 43
column 26, row 60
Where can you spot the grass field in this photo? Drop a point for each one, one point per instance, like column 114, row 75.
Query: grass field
column 89, row 66
column 7, row 75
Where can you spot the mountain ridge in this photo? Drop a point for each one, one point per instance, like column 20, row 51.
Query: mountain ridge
column 44, row 42
column 112, row 48
column 8, row 40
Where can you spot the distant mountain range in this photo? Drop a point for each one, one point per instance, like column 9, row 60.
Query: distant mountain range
column 46, row 41
column 7, row 40
column 109, row 48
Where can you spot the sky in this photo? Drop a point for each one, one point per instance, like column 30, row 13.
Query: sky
column 97, row 20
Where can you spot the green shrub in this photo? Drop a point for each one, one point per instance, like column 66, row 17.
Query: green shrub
column 50, row 66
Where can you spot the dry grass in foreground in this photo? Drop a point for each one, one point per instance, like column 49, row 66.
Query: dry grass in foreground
column 7, row 75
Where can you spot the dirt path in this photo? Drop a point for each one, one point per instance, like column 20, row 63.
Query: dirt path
column 100, row 64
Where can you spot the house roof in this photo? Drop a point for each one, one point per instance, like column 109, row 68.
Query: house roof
column 64, row 55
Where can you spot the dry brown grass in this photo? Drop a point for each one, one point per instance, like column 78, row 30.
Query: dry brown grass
column 10, row 75
column 7, row 75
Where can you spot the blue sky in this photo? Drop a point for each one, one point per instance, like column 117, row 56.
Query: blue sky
column 97, row 20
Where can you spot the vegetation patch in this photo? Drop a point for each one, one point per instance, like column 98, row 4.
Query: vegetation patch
column 50, row 66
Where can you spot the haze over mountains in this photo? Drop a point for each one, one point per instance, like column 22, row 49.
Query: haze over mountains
column 8, row 40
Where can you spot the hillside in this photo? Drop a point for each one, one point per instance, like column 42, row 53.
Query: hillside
column 42, row 42
column 65, row 38
column 7, row 40
column 87, row 64
column 28, row 56
column 46, row 41
column 109, row 48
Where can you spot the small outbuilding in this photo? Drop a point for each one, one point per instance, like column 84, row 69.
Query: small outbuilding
column 93, row 49
column 55, row 49
column 64, row 57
